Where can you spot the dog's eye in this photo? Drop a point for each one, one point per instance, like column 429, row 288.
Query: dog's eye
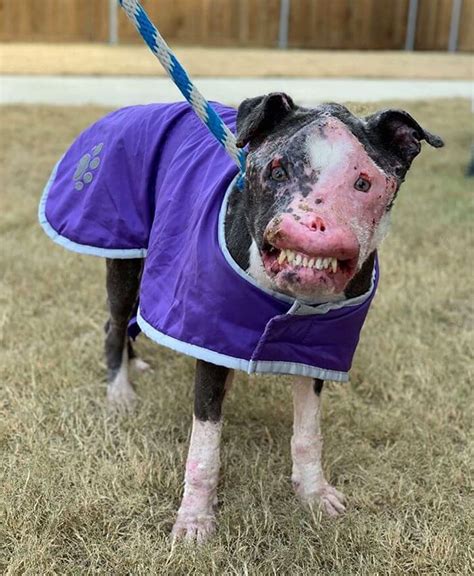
column 362, row 183
column 278, row 174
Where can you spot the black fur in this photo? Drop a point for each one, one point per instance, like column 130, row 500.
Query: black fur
column 122, row 282
column 360, row 284
column 237, row 226
column 257, row 117
column 318, row 386
column 209, row 391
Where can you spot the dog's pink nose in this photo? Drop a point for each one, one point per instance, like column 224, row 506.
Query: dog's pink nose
column 315, row 223
column 313, row 236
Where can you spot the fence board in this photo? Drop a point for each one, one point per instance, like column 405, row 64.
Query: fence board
column 337, row 24
column 53, row 20
column 432, row 30
column 466, row 29
column 348, row 24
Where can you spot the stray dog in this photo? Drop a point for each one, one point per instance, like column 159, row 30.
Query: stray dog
column 276, row 276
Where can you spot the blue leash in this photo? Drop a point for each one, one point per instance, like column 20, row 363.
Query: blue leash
column 178, row 74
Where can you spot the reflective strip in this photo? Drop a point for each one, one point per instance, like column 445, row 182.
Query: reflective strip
column 251, row 367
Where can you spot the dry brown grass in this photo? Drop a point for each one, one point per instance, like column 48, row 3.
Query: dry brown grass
column 228, row 62
column 84, row 493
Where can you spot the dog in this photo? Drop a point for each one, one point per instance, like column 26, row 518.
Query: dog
column 274, row 275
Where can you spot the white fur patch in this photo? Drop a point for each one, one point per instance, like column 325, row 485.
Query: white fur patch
column 382, row 230
column 306, row 447
column 327, row 155
column 196, row 518
column 256, row 268
column 369, row 244
column 139, row 365
column 120, row 393
column 306, row 443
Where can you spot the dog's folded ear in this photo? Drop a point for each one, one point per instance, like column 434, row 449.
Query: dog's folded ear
column 257, row 117
column 400, row 133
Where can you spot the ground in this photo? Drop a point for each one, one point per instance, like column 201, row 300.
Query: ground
column 88, row 493
column 227, row 62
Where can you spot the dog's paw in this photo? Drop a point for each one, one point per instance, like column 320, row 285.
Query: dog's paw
column 139, row 365
column 193, row 528
column 330, row 500
column 121, row 399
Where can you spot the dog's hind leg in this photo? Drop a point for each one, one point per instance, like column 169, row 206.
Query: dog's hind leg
column 196, row 517
column 306, row 447
column 123, row 282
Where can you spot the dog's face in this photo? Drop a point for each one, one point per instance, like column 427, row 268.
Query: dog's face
column 320, row 184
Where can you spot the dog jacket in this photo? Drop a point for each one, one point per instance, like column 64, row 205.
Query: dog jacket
column 151, row 181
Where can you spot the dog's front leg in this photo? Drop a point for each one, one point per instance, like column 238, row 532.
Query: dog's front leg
column 306, row 447
column 196, row 516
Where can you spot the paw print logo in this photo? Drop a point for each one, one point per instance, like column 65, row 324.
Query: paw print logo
column 84, row 169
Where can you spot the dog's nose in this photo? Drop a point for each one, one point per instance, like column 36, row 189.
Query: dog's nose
column 315, row 223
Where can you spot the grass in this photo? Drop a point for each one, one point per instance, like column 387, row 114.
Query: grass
column 100, row 59
column 86, row 493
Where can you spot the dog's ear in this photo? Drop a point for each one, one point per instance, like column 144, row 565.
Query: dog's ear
column 400, row 133
column 257, row 117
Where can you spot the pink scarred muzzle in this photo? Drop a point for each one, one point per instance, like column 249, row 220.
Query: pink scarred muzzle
column 320, row 239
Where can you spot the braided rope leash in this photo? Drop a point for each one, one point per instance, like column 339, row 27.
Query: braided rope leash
column 178, row 74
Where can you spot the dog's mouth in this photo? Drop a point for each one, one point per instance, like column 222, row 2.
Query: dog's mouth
column 325, row 272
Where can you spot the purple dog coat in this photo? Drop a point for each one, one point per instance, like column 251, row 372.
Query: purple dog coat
column 152, row 181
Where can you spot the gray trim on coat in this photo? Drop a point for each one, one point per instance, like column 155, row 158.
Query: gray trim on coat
column 251, row 367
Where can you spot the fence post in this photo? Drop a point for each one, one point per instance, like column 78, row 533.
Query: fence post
column 284, row 24
column 454, row 27
column 411, row 25
column 113, row 22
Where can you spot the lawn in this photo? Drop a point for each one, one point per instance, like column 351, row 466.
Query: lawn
column 84, row 492
column 34, row 58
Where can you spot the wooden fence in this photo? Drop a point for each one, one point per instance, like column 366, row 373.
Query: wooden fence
column 343, row 24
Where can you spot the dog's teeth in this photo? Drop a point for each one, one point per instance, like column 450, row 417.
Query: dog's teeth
column 319, row 263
